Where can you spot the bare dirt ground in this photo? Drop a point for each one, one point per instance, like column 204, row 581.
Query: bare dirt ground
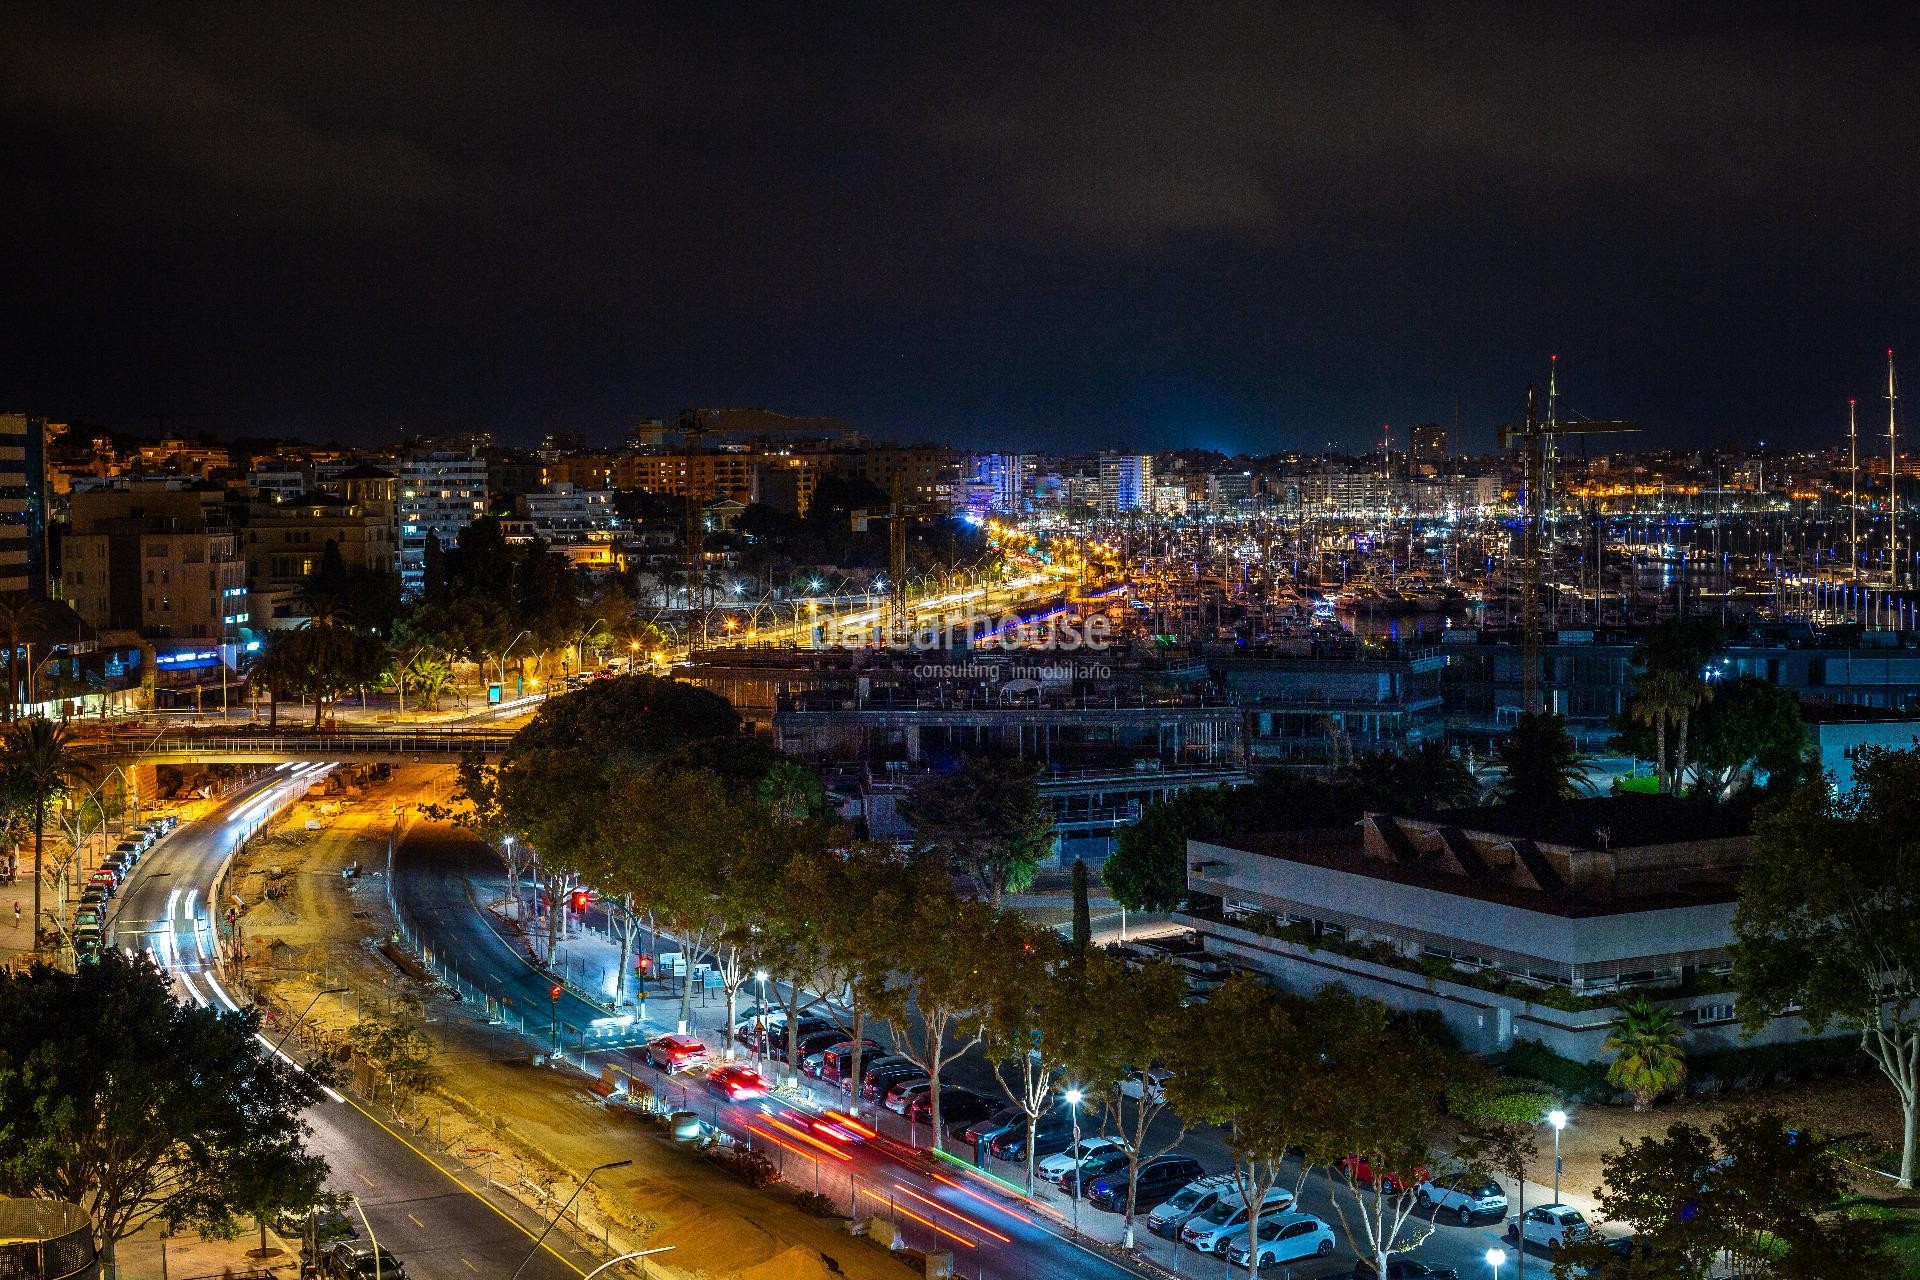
column 1863, row 1105
column 323, row 932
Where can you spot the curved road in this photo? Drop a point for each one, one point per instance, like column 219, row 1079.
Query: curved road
column 440, row 1221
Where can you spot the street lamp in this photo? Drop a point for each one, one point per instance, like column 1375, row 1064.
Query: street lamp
column 760, row 1018
column 612, row 1164
column 1496, row 1258
column 1558, row 1119
column 1073, row 1097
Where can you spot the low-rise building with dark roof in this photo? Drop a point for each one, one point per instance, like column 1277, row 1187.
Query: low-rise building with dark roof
column 1512, row 925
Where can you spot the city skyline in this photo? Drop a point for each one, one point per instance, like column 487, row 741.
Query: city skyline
column 1247, row 231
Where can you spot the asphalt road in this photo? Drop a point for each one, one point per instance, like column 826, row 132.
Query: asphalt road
column 434, row 1218
column 431, row 876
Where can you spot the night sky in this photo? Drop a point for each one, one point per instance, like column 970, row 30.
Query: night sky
column 1193, row 224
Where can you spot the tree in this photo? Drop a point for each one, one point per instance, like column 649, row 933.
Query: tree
column 987, row 819
column 1657, row 701
column 1147, row 870
column 1750, row 725
column 1128, row 1023
column 1829, row 918
column 1246, row 1021
column 42, row 764
column 141, row 1108
column 1391, row 1082
column 864, row 908
column 20, row 614
column 1751, row 1197
column 1033, row 1005
column 1422, row 778
column 1499, row 1126
column 276, row 667
column 934, row 1007
column 1082, row 910
column 1647, row 1058
column 1539, row 764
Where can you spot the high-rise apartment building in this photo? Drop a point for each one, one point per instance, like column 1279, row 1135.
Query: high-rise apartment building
column 23, row 504
column 163, row 562
column 1126, row 482
column 1429, row 446
column 441, row 493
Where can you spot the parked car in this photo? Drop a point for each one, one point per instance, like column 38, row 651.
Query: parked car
column 1079, row 1179
column 832, row 1063
column 84, row 918
column 738, row 1082
column 814, row 1041
column 1052, row 1135
column 1401, row 1267
column 1285, row 1237
column 1070, row 1156
column 1549, row 1226
column 1166, row 1218
column 1214, row 1230
column 106, row 880
column 868, row 1066
column 879, row 1082
column 1156, row 1179
column 672, row 1053
column 1362, row 1174
column 356, row 1260
column 957, row 1106
column 904, row 1091
column 1464, row 1195
column 1150, row 1084
column 1004, row 1118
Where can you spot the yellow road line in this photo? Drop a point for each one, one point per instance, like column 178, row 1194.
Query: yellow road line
column 455, row 1179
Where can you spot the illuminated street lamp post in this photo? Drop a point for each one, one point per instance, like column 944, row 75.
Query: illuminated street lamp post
column 1496, row 1258
column 1073, row 1097
column 1558, row 1119
column 760, row 1020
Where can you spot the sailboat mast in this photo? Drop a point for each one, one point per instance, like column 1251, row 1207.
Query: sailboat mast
column 1893, row 480
column 1853, row 470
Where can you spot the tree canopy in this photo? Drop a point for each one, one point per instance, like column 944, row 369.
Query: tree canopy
column 139, row 1107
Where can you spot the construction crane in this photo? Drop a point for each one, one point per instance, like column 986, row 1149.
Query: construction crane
column 1538, row 437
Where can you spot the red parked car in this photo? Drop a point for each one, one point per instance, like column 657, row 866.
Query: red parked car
column 1361, row 1174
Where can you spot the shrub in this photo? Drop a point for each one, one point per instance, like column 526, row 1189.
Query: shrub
column 1572, row 1081
column 750, row 1167
column 815, row 1204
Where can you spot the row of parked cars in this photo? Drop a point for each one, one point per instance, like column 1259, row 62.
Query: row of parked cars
column 90, row 918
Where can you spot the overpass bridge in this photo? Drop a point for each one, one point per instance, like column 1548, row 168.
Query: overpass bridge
column 355, row 746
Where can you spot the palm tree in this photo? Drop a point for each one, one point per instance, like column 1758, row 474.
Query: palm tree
column 1657, row 698
column 1694, row 691
column 274, row 668
column 1539, row 763
column 1647, row 1058
column 41, row 762
column 19, row 613
column 431, row 678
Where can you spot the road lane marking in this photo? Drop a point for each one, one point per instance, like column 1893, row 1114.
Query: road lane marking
column 364, row 1178
column 455, row 1179
column 469, row 1266
column 186, row 980
column 416, row 1222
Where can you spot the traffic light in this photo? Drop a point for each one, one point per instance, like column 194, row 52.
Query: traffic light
column 580, row 899
column 644, row 966
column 553, row 993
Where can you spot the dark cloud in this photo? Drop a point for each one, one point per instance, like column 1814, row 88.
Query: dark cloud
column 1246, row 225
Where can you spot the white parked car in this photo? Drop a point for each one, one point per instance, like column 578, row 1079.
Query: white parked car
column 1549, row 1226
column 1060, row 1162
column 1220, row 1226
column 1462, row 1194
column 1285, row 1237
column 1150, row 1084
column 1196, row 1197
